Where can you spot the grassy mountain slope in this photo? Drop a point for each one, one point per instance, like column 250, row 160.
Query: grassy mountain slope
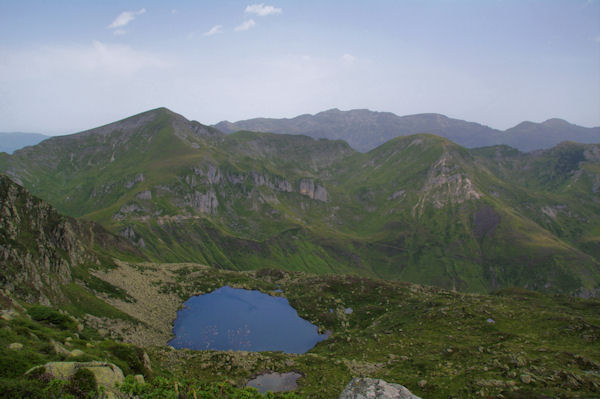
column 418, row 208
column 557, row 188
column 444, row 219
column 439, row 343
column 10, row 142
column 365, row 130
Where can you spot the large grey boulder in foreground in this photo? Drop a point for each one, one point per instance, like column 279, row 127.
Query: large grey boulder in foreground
column 107, row 375
column 371, row 388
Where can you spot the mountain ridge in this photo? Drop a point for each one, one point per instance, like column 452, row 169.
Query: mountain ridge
column 418, row 208
column 364, row 129
column 12, row 141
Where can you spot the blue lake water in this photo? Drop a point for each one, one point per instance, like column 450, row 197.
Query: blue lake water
column 238, row 319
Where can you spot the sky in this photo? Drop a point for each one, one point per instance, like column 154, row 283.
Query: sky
column 67, row 65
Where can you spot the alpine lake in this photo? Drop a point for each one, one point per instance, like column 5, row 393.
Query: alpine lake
column 242, row 320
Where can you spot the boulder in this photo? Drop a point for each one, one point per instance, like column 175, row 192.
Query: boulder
column 146, row 360
column 15, row 346
column 370, row 388
column 107, row 375
column 525, row 378
column 76, row 352
column 59, row 349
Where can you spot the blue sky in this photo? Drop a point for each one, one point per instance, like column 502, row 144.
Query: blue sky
column 66, row 66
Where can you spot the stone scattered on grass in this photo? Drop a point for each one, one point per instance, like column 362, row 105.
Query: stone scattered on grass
column 525, row 378
column 76, row 352
column 15, row 346
column 370, row 388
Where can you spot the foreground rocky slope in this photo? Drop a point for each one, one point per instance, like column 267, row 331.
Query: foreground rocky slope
column 417, row 208
column 435, row 342
column 39, row 247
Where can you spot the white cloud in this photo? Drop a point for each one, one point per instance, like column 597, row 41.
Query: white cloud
column 119, row 32
column 214, row 30
column 125, row 17
column 96, row 59
column 263, row 10
column 348, row 59
column 249, row 24
column 118, row 59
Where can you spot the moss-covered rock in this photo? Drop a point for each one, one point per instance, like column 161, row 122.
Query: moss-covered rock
column 370, row 388
column 105, row 375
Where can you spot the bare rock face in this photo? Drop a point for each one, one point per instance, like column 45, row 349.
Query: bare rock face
column 446, row 184
column 370, row 388
column 144, row 195
column 314, row 191
column 203, row 202
column 130, row 234
column 137, row 179
column 37, row 246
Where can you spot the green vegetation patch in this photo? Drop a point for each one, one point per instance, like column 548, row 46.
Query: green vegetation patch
column 81, row 302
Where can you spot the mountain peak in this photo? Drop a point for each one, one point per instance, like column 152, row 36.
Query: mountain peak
column 557, row 123
column 330, row 111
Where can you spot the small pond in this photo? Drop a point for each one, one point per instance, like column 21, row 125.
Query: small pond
column 237, row 319
column 275, row 382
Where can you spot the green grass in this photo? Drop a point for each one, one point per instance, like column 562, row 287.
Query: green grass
column 385, row 216
column 39, row 335
column 403, row 333
column 81, row 302
column 82, row 273
column 407, row 333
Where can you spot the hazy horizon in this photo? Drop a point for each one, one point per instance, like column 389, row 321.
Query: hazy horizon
column 70, row 67
column 283, row 117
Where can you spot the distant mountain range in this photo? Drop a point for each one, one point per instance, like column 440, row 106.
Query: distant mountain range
column 417, row 208
column 364, row 129
column 10, row 142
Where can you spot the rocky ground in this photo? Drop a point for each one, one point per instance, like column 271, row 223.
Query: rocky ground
column 514, row 343
column 155, row 308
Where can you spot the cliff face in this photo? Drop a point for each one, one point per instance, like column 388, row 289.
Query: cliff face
column 38, row 246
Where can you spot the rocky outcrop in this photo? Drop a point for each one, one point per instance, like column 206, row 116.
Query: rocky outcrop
column 136, row 179
column 314, row 191
column 38, row 245
column 211, row 174
column 446, row 184
column 130, row 234
column 106, row 375
column 144, row 195
column 275, row 183
column 203, row 202
column 370, row 388
column 126, row 210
